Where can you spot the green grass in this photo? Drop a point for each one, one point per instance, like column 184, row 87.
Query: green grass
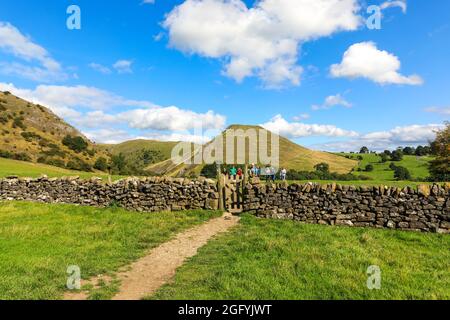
column 10, row 167
column 417, row 166
column 38, row 242
column 271, row 259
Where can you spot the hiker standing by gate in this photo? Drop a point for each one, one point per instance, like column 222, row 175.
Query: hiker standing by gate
column 283, row 174
column 233, row 172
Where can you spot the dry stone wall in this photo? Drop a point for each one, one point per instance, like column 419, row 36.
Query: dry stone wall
column 424, row 209
column 150, row 194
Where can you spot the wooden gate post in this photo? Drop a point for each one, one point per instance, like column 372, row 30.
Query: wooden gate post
column 220, row 186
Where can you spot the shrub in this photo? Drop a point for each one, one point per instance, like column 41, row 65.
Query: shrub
column 79, row 165
column 101, row 164
column 369, row 168
column 401, row 173
column 76, row 144
column 322, row 167
column 18, row 123
column 397, row 155
column 5, row 154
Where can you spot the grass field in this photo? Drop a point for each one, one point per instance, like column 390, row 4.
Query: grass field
column 38, row 242
column 417, row 166
column 10, row 167
column 268, row 259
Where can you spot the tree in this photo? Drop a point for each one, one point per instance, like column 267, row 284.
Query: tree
column 440, row 167
column 209, row 171
column 322, row 167
column 364, row 150
column 101, row 164
column 384, row 157
column 401, row 173
column 118, row 163
column 387, row 152
column 397, row 155
column 369, row 168
column 409, row 151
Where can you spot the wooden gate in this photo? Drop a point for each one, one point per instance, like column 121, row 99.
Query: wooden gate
column 232, row 194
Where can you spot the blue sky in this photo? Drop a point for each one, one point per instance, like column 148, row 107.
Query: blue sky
column 158, row 70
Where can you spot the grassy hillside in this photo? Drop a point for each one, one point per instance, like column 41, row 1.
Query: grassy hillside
column 39, row 241
column 417, row 166
column 32, row 132
column 130, row 147
column 292, row 156
column 267, row 259
column 9, row 167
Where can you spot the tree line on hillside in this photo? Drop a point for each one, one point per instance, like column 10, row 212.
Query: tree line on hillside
column 439, row 148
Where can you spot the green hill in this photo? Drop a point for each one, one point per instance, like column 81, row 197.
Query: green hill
column 33, row 133
column 417, row 166
column 292, row 156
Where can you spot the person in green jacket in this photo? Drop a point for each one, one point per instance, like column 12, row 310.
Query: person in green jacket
column 233, row 172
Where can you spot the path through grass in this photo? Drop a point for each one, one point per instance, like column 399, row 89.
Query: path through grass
column 38, row 242
column 269, row 259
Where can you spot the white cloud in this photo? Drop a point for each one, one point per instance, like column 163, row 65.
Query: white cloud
column 100, row 68
column 412, row 135
column 442, row 111
column 14, row 42
column 297, row 129
column 395, row 3
column 66, row 102
column 364, row 60
column 148, row 2
column 57, row 97
column 172, row 118
column 260, row 41
column 333, row 101
column 123, row 66
column 300, row 117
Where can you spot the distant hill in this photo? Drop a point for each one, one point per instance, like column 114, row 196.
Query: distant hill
column 132, row 146
column 32, row 132
column 292, row 156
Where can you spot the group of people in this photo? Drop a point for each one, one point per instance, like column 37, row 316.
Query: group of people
column 268, row 172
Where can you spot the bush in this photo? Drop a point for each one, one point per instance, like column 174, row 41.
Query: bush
column 401, row 173
column 384, row 158
column 209, row 171
column 5, row 154
column 76, row 144
column 18, row 123
column 101, row 164
column 322, row 167
column 397, row 155
column 369, row 168
column 79, row 165
column 22, row 156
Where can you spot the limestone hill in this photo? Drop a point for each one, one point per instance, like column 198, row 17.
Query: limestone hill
column 32, row 132
column 292, row 155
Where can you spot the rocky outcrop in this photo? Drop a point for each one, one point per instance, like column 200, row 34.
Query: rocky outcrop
column 150, row 194
column 424, row 209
